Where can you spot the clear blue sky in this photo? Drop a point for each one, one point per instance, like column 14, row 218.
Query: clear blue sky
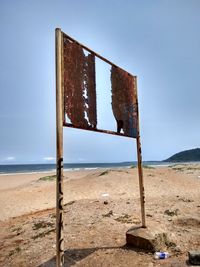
column 157, row 40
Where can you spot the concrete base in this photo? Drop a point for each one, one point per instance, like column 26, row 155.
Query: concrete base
column 150, row 239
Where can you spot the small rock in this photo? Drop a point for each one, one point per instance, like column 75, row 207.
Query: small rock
column 110, row 213
column 149, row 215
column 177, row 249
column 105, row 202
column 186, row 199
column 172, row 212
column 194, row 257
column 128, row 202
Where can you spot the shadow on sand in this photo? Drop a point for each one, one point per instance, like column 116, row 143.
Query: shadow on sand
column 72, row 256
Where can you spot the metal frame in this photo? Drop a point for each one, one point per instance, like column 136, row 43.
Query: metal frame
column 59, row 160
column 60, row 122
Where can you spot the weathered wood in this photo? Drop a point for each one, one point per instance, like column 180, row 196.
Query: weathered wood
column 59, row 136
column 140, row 171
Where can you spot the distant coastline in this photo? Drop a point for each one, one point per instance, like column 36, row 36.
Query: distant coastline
column 185, row 157
column 39, row 168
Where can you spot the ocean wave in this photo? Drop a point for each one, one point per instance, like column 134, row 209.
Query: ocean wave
column 26, row 173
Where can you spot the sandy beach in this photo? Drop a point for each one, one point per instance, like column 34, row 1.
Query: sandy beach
column 100, row 206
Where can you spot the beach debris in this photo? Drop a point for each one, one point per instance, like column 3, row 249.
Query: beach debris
column 109, row 214
column 161, row 255
column 172, row 212
column 105, row 195
column 194, row 257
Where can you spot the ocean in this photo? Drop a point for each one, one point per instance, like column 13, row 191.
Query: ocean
column 35, row 168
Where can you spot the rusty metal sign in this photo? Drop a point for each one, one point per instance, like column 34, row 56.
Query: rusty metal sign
column 77, row 105
column 80, row 96
column 124, row 101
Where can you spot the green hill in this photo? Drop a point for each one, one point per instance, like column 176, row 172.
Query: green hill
column 185, row 156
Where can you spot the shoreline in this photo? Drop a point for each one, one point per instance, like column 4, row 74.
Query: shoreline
column 146, row 164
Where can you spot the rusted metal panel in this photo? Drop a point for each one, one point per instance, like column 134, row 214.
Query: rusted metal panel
column 79, row 85
column 124, row 101
column 90, row 87
column 79, row 82
column 92, row 52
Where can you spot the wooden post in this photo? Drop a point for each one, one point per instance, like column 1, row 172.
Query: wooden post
column 59, row 136
column 139, row 157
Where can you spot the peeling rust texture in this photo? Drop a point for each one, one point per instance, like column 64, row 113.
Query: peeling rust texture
column 79, row 85
column 91, row 90
column 79, row 82
column 124, row 101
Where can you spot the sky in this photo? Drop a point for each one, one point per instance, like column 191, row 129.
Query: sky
column 157, row 40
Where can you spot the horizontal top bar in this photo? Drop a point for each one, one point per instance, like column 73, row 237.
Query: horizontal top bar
column 97, row 55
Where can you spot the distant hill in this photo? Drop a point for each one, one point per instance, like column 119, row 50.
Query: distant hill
column 184, row 156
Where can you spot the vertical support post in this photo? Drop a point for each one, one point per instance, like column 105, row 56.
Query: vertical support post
column 139, row 157
column 59, row 148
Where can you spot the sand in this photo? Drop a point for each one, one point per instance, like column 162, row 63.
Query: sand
column 95, row 229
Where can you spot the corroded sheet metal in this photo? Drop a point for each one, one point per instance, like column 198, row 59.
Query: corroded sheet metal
column 124, row 101
column 79, row 85
column 90, row 85
column 80, row 100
